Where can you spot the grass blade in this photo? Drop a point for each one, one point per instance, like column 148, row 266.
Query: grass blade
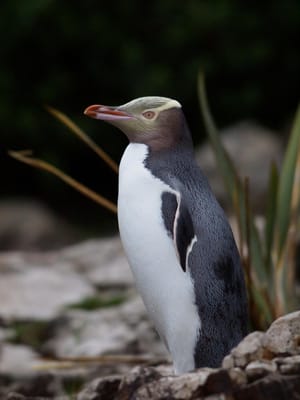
column 296, row 191
column 261, row 315
column 82, row 136
column 288, row 261
column 286, row 184
column 257, row 259
column 270, row 215
column 25, row 157
column 255, row 254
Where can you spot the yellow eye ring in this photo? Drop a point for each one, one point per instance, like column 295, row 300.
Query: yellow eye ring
column 149, row 114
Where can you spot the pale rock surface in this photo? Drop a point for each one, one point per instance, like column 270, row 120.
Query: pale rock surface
column 143, row 383
column 120, row 329
column 249, row 349
column 289, row 365
column 257, row 369
column 102, row 387
column 102, row 261
column 33, row 287
column 283, row 336
column 237, row 375
column 17, row 359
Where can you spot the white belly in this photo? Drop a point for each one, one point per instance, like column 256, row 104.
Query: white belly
column 166, row 289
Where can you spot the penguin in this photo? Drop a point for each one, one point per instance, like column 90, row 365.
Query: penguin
column 176, row 236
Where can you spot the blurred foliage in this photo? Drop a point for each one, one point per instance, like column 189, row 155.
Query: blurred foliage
column 71, row 54
column 269, row 258
column 31, row 333
column 95, row 302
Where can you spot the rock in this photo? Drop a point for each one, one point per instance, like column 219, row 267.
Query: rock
column 38, row 387
column 176, row 388
column 29, row 225
column 102, row 261
column 249, row 349
column 258, row 369
column 256, row 378
column 228, row 362
column 121, row 329
column 238, row 376
column 273, row 386
column 73, row 272
column 16, row 359
column 158, row 383
column 135, row 380
column 283, row 336
column 218, row 381
column 6, row 334
column 252, row 148
column 143, row 383
column 38, row 287
column 289, row 365
column 101, row 388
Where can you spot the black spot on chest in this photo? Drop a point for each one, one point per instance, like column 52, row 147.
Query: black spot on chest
column 227, row 271
column 224, row 268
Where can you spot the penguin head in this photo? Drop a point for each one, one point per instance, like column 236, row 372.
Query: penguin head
column 155, row 121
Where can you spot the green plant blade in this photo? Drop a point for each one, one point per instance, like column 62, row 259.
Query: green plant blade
column 271, row 215
column 256, row 254
column 296, row 193
column 286, row 182
column 286, row 267
column 262, row 314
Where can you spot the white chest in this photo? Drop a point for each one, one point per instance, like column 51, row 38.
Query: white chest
column 167, row 291
column 150, row 251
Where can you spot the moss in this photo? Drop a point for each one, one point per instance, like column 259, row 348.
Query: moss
column 95, row 302
column 31, row 333
column 72, row 386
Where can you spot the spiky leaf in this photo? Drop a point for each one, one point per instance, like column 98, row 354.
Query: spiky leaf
column 286, row 184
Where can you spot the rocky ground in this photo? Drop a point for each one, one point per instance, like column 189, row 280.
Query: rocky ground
column 60, row 310
column 72, row 327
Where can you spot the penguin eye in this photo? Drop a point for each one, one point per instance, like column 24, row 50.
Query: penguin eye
column 149, row 114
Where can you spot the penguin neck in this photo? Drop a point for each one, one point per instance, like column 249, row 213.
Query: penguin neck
column 170, row 161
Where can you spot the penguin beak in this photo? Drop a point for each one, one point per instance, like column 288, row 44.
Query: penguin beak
column 106, row 113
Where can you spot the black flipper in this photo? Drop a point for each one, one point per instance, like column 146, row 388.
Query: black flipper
column 179, row 225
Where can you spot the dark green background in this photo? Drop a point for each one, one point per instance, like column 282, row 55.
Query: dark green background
column 73, row 54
